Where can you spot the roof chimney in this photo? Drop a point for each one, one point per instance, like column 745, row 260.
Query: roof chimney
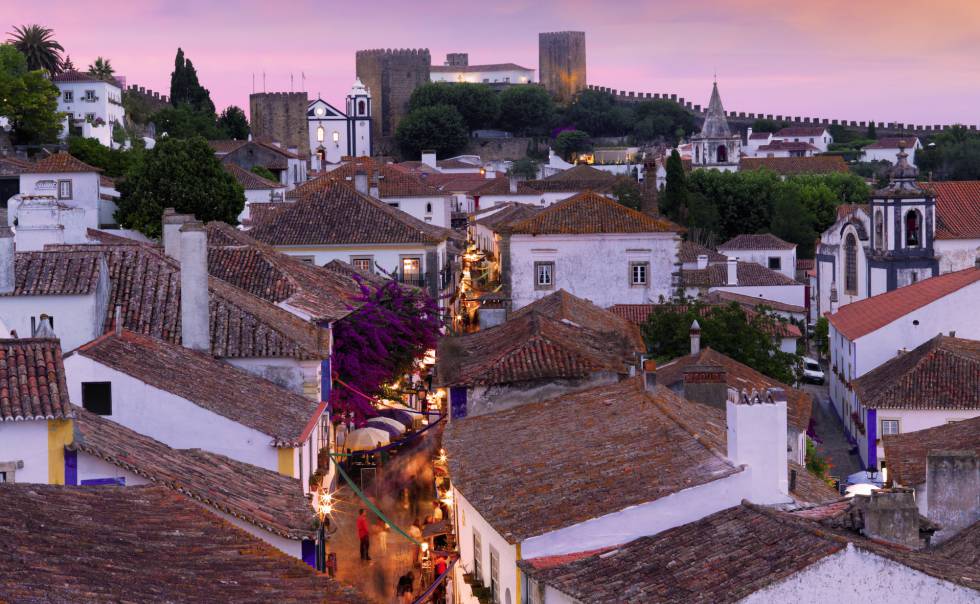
column 706, row 384
column 195, row 315
column 952, row 491
column 44, row 328
column 171, row 231
column 117, row 320
column 702, row 262
column 513, row 184
column 361, row 181
column 732, row 276
column 489, row 172
column 649, row 375
column 429, row 159
column 374, row 185
column 757, row 439
column 8, row 260
column 889, row 515
column 695, row 338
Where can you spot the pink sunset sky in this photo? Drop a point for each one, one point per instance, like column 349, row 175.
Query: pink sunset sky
column 888, row 60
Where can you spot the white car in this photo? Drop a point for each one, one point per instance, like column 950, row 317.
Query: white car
column 812, row 372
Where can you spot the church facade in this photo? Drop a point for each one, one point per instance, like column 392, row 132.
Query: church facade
column 335, row 134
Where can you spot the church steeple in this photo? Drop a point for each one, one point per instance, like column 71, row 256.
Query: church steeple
column 715, row 123
column 715, row 147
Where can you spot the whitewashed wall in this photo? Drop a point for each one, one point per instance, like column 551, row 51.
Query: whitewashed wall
column 468, row 520
column 790, row 294
column 787, row 259
column 416, row 207
column 956, row 254
column 26, row 441
column 77, row 319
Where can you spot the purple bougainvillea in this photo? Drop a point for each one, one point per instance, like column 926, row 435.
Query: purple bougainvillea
column 381, row 340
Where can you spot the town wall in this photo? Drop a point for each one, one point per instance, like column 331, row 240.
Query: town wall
column 281, row 117
column 391, row 75
column 561, row 63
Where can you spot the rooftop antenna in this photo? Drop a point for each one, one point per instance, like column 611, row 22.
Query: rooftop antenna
column 253, row 82
column 263, row 81
column 302, row 74
column 290, row 82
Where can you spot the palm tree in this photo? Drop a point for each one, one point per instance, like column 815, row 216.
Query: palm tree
column 101, row 69
column 39, row 46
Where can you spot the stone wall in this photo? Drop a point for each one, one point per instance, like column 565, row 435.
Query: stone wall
column 561, row 63
column 153, row 100
column 391, row 75
column 280, row 117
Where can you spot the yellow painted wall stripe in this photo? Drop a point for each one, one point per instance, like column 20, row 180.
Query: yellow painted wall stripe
column 286, row 461
column 517, row 600
column 60, row 434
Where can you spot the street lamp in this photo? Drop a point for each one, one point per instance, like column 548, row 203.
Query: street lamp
column 323, row 504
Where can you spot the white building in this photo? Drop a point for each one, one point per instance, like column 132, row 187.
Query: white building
column 457, row 69
column 866, row 334
column 765, row 249
column 94, row 105
column 744, row 278
column 818, row 136
column 888, row 148
column 257, row 190
column 593, row 248
column 754, row 140
column 779, row 148
column 335, row 134
column 715, row 147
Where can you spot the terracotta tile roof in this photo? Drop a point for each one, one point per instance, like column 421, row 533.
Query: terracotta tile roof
column 846, row 209
column 957, row 208
column 788, row 166
column 760, row 135
column 535, row 468
column 800, row 131
column 209, row 383
column 11, row 166
column 259, row 496
column 865, row 316
column 639, row 313
column 105, row 181
column 809, row 488
column 748, row 273
column 590, row 213
column 530, row 347
column 753, row 302
column 563, row 306
column 223, row 147
column 250, row 180
column 146, row 284
column 513, row 212
column 906, row 453
column 456, row 183
column 893, row 142
column 963, row 548
column 257, row 268
column 81, row 76
column 780, row 145
column 472, row 68
column 456, row 164
column 799, row 404
column 721, row 558
column 941, row 373
column 343, row 268
column 390, row 180
column 141, row 544
column 804, row 264
column 762, row 241
column 501, row 186
column 571, row 186
column 60, row 162
column 689, row 252
column 32, row 380
column 339, row 215
column 579, row 173
column 275, row 148
column 63, row 274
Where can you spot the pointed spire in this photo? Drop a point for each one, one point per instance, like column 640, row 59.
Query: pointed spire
column 715, row 123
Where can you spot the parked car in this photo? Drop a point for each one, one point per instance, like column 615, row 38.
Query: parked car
column 812, row 372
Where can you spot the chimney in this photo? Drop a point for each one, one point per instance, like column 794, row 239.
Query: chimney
column 374, row 185
column 361, row 181
column 695, row 338
column 952, row 491
column 195, row 329
column 513, row 184
column 757, row 439
column 429, row 159
column 489, row 172
column 702, row 262
column 732, row 276
column 888, row 515
column 117, row 325
column 44, row 328
column 171, row 231
column 649, row 375
column 8, row 259
column 706, row 384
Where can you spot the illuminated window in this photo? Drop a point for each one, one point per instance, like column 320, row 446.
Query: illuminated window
column 336, row 136
column 319, row 134
column 363, row 265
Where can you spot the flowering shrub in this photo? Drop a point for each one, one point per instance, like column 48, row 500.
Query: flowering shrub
column 380, row 341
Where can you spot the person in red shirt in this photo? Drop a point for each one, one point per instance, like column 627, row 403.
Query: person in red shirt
column 364, row 534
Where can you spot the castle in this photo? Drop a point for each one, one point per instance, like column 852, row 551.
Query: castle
column 390, row 75
column 561, row 63
column 281, row 117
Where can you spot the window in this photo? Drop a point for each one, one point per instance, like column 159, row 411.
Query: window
column 363, row 265
column 89, row 117
column 320, row 133
column 477, row 557
column 879, row 230
column 850, row 265
column 69, row 96
column 305, row 259
column 89, row 96
column 890, row 426
column 324, row 431
column 913, row 277
column 336, row 136
column 393, row 204
column 494, row 576
column 913, row 223
column 638, row 273
column 428, row 207
column 360, row 107
column 775, row 263
column 97, row 397
column 64, row 189
column 722, row 154
column 544, row 275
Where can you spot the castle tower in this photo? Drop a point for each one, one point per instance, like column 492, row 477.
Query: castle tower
column 561, row 63
column 359, row 120
column 715, row 147
column 391, row 76
column 280, row 117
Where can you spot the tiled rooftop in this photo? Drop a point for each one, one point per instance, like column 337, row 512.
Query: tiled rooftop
column 865, row 316
column 762, row 241
column 800, row 131
column 141, row 544
column 957, row 208
column 501, row 186
column 32, row 380
column 893, row 142
column 755, row 302
column 61, row 274
column 512, row 213
column 581, row 173
column 544, row 466
column 209, row 383
column 748, row 273
column 788, row 166
column 58, row 163
column 563, row 306
column 591, row 213
column 689, row 252
column 907, row 453
column 250, row 180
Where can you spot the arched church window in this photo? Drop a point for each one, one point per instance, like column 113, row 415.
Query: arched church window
column 850, row 265
column 336, row 136
column 319, row 134
column 722, row 154
column 360, row 107
column 913, row 224
column 697, row 154
column 879, row 230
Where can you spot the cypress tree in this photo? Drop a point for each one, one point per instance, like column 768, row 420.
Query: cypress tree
column 674, row 199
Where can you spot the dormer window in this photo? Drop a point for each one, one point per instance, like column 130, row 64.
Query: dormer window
column 913, row 224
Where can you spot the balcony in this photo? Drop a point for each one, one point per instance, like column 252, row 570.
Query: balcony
column 412, row 279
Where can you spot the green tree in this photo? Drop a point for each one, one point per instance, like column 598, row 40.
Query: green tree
column 102, row 69
column 28, row 100
column 185, row 122
column 233, row 124
column 114, row 162
column 953, row 154
column 872, row 132
column 184, row 175
column 526, row 110
column 264, row 173
column 438, row 127
column 743, row 199
column 627, row 192
column 572, row 142
column 673, row 201
column 793, row 221
column 477, row 103
column 186, row 89
column 67, row 64
column 767, row 125
column 525, row 168
column 702, row 215
column 821, row 337
column 658, row 118
column 38, row 46
column 597, row 113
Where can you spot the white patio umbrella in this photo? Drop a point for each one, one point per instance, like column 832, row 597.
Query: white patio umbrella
column 364, row 439
column 394, row 423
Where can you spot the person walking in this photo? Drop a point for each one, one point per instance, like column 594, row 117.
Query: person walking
column 383, row 537
column 364, row 534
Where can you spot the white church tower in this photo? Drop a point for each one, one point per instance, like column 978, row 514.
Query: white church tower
column 359, row 120
column 715, row 147
column 335, row 134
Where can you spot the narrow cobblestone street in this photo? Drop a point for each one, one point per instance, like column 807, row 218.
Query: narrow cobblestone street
column 834, row 444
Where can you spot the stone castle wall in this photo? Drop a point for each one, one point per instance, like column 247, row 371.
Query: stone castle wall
column 154, row 100
column 391, row 75
column 561, row 63
column 281, row 117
